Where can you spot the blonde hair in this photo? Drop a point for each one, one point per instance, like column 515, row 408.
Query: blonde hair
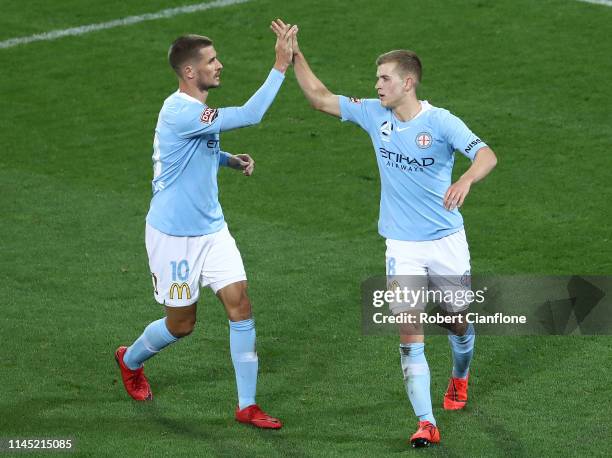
column 407, row 62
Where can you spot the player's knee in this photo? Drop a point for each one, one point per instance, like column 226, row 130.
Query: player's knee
column 239, row 314
column 411, row 333
column 182, row 328
column 458, row 328
column 242, row 309
column 236, row 301
column 245, row 302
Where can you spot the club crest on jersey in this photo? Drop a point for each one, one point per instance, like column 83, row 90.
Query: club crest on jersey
column 423, row 140
column 354, row 100
column 385, row 131
column 209, row 115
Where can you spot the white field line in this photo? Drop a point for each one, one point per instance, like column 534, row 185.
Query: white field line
column 170, row 12
column 598, row 2
column 81, row 30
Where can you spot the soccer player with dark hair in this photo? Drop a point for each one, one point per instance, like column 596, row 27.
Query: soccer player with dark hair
column 414, row 143
column 187, row 239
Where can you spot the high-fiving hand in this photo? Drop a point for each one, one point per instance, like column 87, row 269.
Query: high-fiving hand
column 280, row 28
column 285, row 35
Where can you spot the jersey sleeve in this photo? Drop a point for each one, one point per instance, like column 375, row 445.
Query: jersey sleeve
column 459, row 136
column 224, row 158
column 255, row 108
column 356, row 111
column 195, row 120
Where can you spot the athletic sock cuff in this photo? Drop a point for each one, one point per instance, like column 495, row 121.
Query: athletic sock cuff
column 244, row 325
column 412, row 349
column 466, row 338
column 166, row 334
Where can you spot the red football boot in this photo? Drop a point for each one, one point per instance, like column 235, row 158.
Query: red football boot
column 255, row 416
column 135, row 382
column 456, row 396
column 427, row 433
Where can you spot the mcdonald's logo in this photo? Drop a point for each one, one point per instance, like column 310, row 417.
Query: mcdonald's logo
column 179, row 289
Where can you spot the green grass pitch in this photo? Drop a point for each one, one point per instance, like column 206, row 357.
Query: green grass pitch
column 76, row 127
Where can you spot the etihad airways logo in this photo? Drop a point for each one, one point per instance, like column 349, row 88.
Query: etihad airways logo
column 405, row 163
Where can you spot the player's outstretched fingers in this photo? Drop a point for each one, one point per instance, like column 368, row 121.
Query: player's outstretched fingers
column 289, row 38
column 279, row 27
column 280, row 22
column 290, row 32
column 294, row 44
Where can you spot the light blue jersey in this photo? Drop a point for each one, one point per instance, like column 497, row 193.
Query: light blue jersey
column 415, row 160
column 187, row 156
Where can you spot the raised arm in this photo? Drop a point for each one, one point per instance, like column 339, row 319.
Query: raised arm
column 318, row 95
column 253, row 110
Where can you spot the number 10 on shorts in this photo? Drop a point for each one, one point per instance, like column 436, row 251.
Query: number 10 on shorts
column 180, row 270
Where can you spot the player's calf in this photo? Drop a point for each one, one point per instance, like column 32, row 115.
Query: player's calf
column 462, row 347
column 155, row 337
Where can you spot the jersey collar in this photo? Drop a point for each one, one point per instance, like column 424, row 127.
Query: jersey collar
column 187, row 97
column 425, row 106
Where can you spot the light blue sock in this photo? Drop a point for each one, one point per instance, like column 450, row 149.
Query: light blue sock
column 416, row 380
column 244, row 357
column 463, row 349
column 155, row 337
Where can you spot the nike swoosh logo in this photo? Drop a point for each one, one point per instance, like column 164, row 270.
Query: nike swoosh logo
column 400, row 130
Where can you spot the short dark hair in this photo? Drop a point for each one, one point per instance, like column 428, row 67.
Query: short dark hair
column 407, row 62
column 186, row 48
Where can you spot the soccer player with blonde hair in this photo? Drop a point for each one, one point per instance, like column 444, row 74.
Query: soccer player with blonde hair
column 415, row 143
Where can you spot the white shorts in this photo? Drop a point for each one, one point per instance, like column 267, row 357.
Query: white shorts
column 180, row 265
column 442, row 264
